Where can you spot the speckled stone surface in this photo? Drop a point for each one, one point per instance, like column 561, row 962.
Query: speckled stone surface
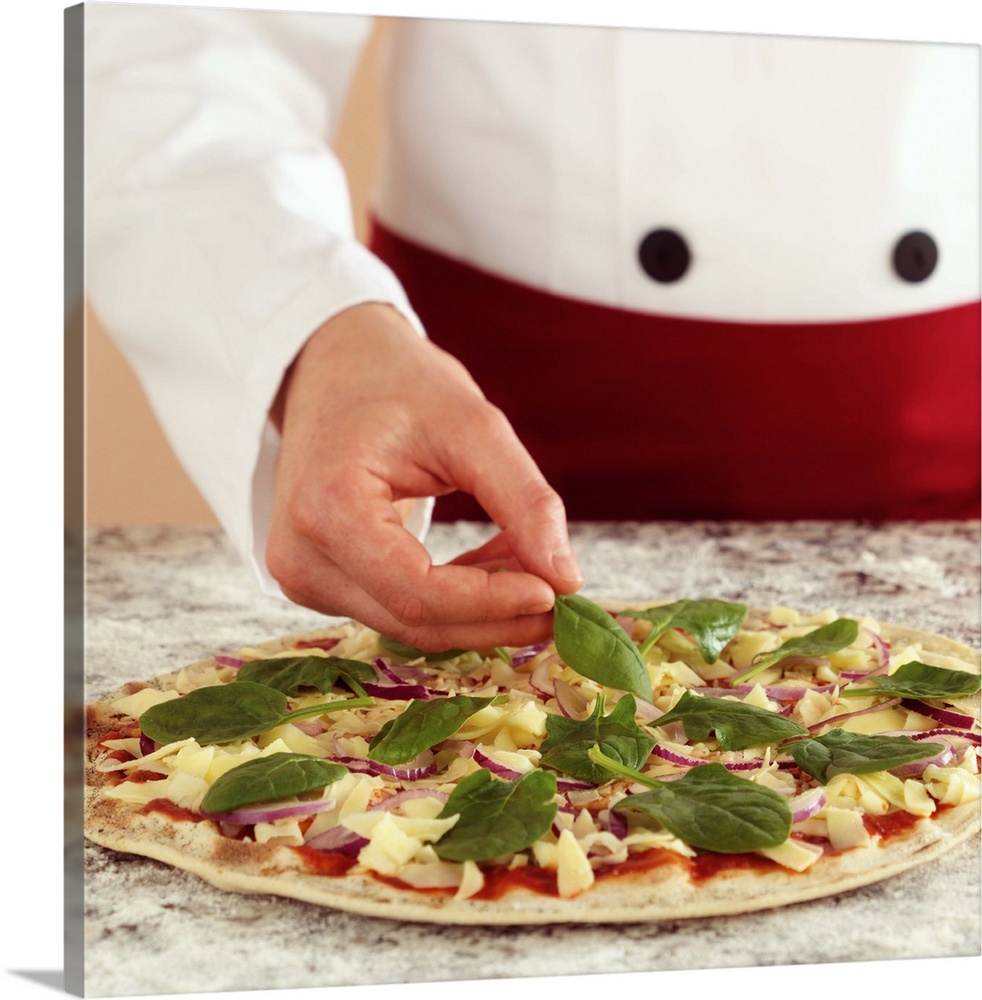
column 159, row 598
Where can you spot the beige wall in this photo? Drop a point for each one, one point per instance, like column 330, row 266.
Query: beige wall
column 122, row 437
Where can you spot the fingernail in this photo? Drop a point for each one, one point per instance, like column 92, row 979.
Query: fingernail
column 538, row 608
column 565, row 564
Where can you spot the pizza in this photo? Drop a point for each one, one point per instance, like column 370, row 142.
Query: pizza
column 650, row 761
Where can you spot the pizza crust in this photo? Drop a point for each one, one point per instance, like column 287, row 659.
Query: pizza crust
column 661, row 892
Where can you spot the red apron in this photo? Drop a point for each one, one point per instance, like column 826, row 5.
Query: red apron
column 632, row 416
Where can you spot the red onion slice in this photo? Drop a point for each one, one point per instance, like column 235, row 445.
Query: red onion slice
column 495, row 766
column 807, row 804
column 526, row 653
column 363, row 765
column 943, row 715
column 674, row 757
column 916, row 767
column 391, row 802
column 338, row 840
column 836, row 719
column 399, row 692
column 325, row 643
column 228, row 661
column 539, row 678
column 571, row 702
column 269, row 812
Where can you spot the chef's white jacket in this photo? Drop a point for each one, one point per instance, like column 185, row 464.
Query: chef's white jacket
column 219, row 232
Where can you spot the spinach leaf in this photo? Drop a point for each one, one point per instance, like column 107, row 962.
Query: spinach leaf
column 827, row 639
column 290, row 674
column 403, row 649
column 423, row 724
column 594, row 645
column 840, row 752
column 567, row 746
column 710, row 622
column 713, row 809
column 266, row 779
column 919, row 680
column 497, row 817
column 736, row 724
column 222, row 713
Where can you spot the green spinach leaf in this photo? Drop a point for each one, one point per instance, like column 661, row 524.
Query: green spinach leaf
column 423, row 724
column 594, row 645
column 841, row 752
column 710, row 622
column 736, row 724
column 712, row 809
column 497, row 817
column 403, row 649
column 267, row 779
column 827, row 639
column 290, row 674
column 222, row 713
column 919, row 680
column 567, row 746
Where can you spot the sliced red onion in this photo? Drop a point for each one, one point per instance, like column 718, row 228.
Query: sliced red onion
column 916, row 767
column 539, row 678
column 325, row 643
column 573, row 785
column 674, row 757
column 312, row 727
column 495, row 766
column 962, row 734
column 571, row 702
column 510, row 774
column 943, row 715
column 391, row 802
column 365, row 766
column 892, row 703
column 646, row 711
column 147, row 745
column 338, row 840
column 400, row 691
column 882, row 649
column 805, row 805
column 616, row 824
column 526, row 653
column 463, row 748
column 386, row 672
column 228, row 661
column 270, row 812
column 408, row 672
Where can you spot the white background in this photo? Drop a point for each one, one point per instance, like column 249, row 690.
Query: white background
column 31, row 487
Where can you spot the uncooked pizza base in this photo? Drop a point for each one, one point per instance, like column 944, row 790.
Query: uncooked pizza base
column 664, row 891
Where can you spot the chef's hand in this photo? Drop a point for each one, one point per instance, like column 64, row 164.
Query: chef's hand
column 373, row 415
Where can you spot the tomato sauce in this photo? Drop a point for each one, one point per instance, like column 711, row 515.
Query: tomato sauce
column 326, row 863
column 891, row 824
column 139, row 777
column 498, row 881
column 175, row 812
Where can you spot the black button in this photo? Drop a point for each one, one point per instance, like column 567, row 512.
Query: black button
column 915, row 256
column 664, row 255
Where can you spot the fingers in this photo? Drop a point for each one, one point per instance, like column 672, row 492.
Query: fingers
column 326, row 588
column 490, row 462
column 358, row 530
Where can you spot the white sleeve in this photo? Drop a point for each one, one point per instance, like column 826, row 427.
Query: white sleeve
column 218, row 225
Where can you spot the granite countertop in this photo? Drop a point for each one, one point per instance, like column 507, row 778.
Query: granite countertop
column 160, row 598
